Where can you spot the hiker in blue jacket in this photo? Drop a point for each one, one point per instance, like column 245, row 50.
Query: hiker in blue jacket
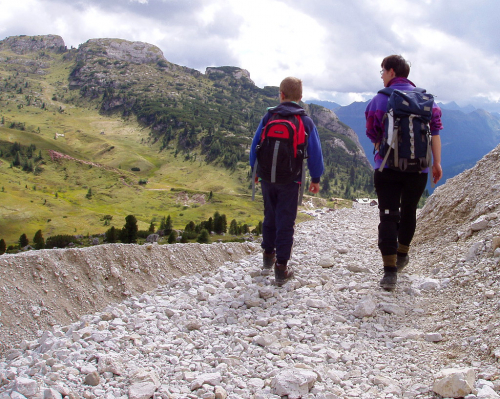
column 281, row 200
column 398, row 192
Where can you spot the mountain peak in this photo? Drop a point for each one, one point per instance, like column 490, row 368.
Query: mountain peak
column 30, row 44
column 121, row 50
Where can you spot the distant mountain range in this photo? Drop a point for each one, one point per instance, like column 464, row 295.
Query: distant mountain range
column 327, row 104
column 467, row 136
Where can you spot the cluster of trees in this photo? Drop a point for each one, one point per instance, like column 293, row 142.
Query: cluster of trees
column 38, row 242
column 21, row 156
column 192, row 232
column 130, row 233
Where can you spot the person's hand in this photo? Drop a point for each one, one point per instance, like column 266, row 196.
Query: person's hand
column 314, row 188
column 437, row 172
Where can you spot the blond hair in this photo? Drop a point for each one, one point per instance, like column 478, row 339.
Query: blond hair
column 291, row 88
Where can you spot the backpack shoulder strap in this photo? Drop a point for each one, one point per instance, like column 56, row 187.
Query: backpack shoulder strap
column 387, row 91
column 419, row 90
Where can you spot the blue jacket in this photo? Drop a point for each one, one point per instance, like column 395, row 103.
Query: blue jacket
column 315, row 160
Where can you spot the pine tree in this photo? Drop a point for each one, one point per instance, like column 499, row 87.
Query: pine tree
column 233, row 228
column 23, row 241
column 111, row 235
column 3, row 246
column 17, row 159
column 209, row 224
column 38, row 240
column 168, row 225
column 129, row 231
column 223, row 223
column 217, row 222
column 184, row 237
column 172, row 237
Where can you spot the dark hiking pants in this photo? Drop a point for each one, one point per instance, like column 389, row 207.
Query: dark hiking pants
column 280, row 212
column 398, row 195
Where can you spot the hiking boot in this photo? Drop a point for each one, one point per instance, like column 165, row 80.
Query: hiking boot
column 389, row 280
column 282, row 273
column 268, row 260
column 401, row 262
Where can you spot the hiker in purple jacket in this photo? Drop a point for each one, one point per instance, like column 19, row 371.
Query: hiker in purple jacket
column 398, row 192
column 281, row 200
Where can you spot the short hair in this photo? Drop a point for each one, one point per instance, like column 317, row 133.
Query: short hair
column 292, row 88
column 400, row 66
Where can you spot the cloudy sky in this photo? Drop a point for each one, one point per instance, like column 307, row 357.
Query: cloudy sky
column 334, row 46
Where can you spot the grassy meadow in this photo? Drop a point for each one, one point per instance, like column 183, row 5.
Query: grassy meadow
column 76, row 166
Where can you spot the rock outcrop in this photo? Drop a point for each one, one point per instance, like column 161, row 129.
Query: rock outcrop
column 235, row 72
column 29, row 44
column 120, row 50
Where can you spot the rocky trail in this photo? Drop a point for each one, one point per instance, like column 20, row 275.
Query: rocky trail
column 211, row 325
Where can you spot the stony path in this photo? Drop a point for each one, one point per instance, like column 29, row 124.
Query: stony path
column 330, row 333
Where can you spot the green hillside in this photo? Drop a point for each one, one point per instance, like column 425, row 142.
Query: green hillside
column 112, row 129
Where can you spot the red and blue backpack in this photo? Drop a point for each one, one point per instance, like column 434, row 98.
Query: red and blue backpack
column 282, row 149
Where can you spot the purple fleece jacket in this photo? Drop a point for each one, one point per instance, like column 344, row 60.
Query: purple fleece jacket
column 376, row 109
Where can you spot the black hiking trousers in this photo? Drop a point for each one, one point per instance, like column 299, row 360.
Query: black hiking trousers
column 398, row 195
column 280, row 212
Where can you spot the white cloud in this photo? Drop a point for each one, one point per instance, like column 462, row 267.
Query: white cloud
column 276, row 41
column 334, row 46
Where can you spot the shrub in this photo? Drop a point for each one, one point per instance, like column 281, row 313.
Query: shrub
column 3, row 247
column 59, row 241
column 204, row 237
column 172, row 237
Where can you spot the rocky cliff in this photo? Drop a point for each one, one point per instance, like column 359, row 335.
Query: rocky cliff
column 329, row 120
column 121, row 50
column 30, row 44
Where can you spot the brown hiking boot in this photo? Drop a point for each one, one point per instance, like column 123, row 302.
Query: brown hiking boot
column 401, row 262
column 282, row 273
column 268, row 260
column 389, row 280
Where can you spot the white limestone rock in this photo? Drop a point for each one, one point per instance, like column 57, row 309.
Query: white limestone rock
column 479, row 224
column 433, row 337
column 392, row 308
column 294, row 383
column 365, row 307
column 26, row 386
column 429, row 284
column 407, row 333
column 454, row 383
column 141, row 390
column 111, row 363
column 327, row 261
column 52, row 394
